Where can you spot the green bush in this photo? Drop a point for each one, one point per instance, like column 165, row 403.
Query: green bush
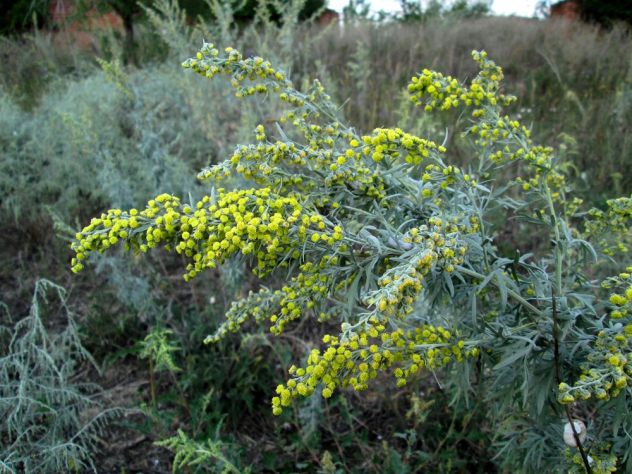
column 380, row 233
column 606, row 12
column 22, row 14
column 88, row 147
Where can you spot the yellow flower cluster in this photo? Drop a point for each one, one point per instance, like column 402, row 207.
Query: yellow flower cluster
column 353, row 362
column 399, row 286
column 518, row 146
column 106, row 231
column 446, row 92
column 267, row 164
column 260, row 305
column 609, row 369
column 257, row 222
column 258, row 163
column 616, row 220
column 502, row 130
column 462, row 224
column 572, row 207
column 601, row 459
column 610, row 363
column 314, row 92
column 351, row 167
column 208, row 63
column 621, row 302
column 444, row 176
column 309, row 288
column 499, row 138
column 493, row 131
column 393, row 143
column 310, row 106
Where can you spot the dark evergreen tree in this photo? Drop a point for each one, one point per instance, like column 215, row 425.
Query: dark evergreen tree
column 606, row 12
column 17, row 15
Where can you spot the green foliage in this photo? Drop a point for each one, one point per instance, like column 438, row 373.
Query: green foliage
column 19, row 15
column 416, row 11
column 605, row 12
column 189, row 453
column 44, row 153
column 356, row 10
column 249, row 10
column 156, row 346
column 45, row 422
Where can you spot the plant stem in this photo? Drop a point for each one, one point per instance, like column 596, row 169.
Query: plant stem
column 558, row 250
column 152, row 382
column 221, row 457
column 184, row 398
column 558, row 373
column 333, row 434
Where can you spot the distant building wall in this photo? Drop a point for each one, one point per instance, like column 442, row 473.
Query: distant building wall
column 567, row 10
column 80, row 32
column 60, row 10
column 327, row 17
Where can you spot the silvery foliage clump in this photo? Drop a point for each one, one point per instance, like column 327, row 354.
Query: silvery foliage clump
column 50, row 422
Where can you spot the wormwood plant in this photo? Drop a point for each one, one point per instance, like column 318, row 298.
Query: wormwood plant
column 45, row 426
column 381, row 233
